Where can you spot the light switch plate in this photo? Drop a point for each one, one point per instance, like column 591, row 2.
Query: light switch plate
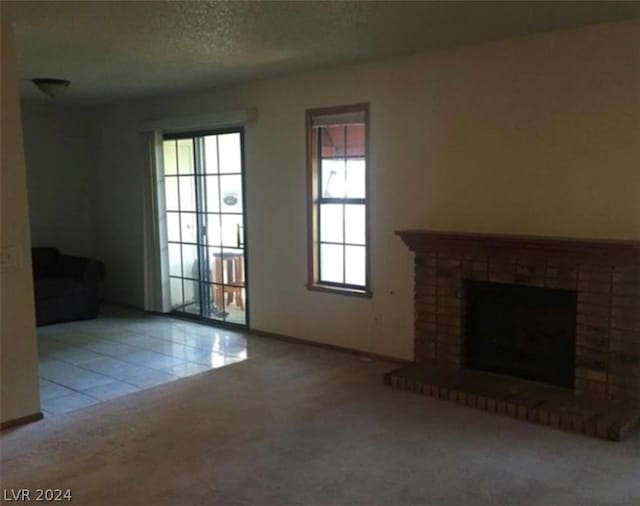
column 10, row 258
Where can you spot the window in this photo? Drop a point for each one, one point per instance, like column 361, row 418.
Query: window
column 337, row 156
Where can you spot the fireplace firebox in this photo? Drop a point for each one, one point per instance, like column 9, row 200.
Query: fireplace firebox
column 522, row 331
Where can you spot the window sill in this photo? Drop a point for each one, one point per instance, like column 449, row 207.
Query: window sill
column 365, row 293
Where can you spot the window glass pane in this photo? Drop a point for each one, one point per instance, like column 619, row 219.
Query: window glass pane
column 191, row 296
column 169, row 157
column 185, row 156
column 176, row 292
column 354, row 220
column 173, row 227
column 229, row 151
column 331, row 223
column 211, row 194
column 210, row 154
column 217, row 298
column 231, row 230
column 216, row 265
column 332, row 139
column 187, row 194
column 171, row 193
column 188, row 227
column 356, row 178
column 214, row 237
column 226, row 266
column 331, row 263
column 234, row 304
column 333, row 178
column 355, row 265
column 355, row 140
column 231, row 194
column 234, row 266
column 189, row 261
column 175, row 260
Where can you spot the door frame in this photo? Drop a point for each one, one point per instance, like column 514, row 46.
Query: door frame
column 193, row 134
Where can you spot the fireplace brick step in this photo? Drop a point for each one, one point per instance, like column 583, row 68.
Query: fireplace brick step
column 535, row 402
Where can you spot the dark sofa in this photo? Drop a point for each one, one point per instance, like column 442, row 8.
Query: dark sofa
column 66, row 287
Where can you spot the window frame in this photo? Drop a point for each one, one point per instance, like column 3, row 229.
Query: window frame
column 314, row 199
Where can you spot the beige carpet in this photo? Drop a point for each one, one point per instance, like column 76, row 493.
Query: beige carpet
column 300, row 425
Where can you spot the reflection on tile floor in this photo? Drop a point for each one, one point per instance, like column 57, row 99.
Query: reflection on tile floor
column 124, row 351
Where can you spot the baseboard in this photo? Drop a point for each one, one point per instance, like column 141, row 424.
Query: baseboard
column 273, row 335
column 21, row 421
column 353, row 351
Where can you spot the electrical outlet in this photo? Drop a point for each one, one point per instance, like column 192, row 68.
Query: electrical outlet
column 10, row 258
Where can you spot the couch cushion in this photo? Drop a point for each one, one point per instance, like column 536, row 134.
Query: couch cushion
column 45, row 262
column 55, row 287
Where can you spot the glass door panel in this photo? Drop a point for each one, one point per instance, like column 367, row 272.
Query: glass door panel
column 205, row 220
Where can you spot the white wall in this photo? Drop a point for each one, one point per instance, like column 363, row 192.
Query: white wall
column 116, row 195
column 58, row 172
column 534, row 135
column 18, row 352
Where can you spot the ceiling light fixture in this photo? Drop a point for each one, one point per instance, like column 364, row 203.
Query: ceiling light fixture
column 50, row 85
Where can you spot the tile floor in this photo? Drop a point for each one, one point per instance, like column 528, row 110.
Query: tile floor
column 124, row 351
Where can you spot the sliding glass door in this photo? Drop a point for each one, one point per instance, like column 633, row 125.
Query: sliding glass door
column 204, row 188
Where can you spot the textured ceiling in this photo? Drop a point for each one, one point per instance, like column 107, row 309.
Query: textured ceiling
column 114, row 50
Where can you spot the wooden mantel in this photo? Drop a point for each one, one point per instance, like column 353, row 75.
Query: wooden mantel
column 596, row 251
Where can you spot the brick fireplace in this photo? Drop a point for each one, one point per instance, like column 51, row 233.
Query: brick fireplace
column 602, row 276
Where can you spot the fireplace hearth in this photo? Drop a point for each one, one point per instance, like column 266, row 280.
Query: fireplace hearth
column 523, row 331
column 546, row 329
